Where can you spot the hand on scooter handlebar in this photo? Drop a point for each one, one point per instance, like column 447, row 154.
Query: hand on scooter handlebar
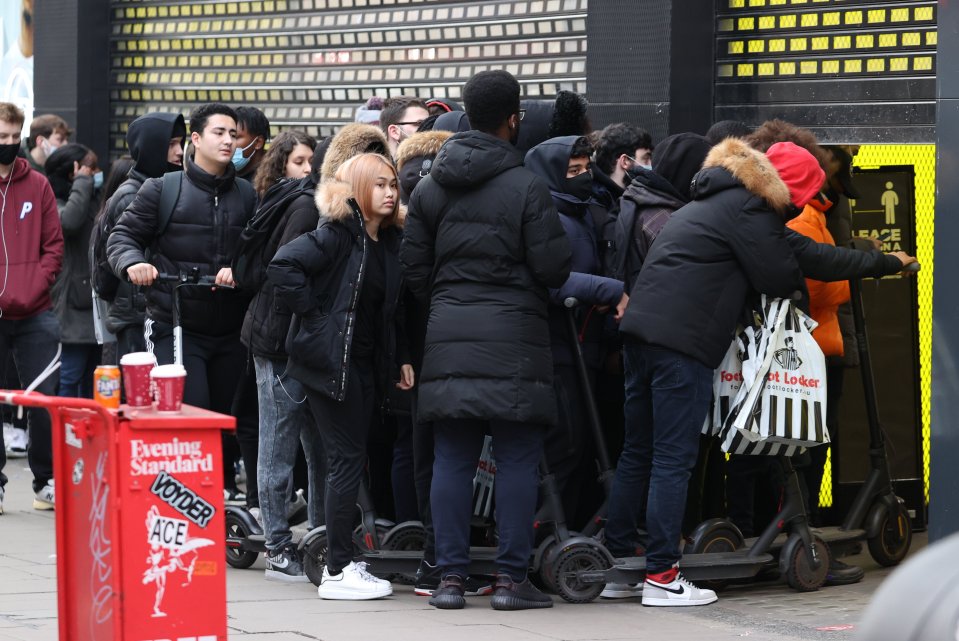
column 193, row 279
column 909, row 263
column 142, row 274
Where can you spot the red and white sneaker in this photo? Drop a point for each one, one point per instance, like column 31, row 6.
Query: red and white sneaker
column 671, row 589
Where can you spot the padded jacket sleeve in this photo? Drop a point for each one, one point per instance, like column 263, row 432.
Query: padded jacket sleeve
column 418, row 250
column 75, row 213
column 136, row 229
column 295, row 264
column 825, row 262
column 548, row 253
column 588, row 289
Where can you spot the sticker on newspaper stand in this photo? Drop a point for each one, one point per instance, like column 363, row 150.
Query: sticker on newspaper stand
column 172, row 561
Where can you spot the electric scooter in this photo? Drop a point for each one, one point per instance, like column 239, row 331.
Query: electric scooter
column 396, row 551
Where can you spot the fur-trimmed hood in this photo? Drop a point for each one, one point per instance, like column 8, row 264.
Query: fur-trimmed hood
column 747, row 166
column 423, row 143
column 333, row 202
column 352, row 140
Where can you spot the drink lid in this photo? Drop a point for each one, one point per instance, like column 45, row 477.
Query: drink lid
column 168, row 371
column 138, row 358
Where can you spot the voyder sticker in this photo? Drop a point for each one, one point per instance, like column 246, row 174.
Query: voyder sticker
column 182, row 499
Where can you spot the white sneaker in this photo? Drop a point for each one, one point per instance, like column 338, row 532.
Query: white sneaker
column 676, row 593
column 15, row 440
column 354, row 583
column 621, row 590
column 45, row 498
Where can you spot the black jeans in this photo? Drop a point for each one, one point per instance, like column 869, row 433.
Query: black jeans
column 213, row 364
column 517, row 449
column 130, row 339
column 33, row 343
column 344, row 429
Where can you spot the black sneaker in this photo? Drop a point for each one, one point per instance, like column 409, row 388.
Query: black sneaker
column 843, row 574
column 450, row 594
column 428, row 581
column 509, row 595
column 285, row 565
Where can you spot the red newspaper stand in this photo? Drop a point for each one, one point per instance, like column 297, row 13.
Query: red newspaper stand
column 141, row 553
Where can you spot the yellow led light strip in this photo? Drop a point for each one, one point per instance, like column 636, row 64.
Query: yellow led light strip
column 917, row 63
column 828, row 18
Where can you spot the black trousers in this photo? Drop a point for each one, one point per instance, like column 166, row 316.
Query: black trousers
column 344, row 427
column 246, row 409
column 212, row 365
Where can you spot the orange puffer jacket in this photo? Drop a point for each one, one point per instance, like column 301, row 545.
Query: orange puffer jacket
column 824, row 298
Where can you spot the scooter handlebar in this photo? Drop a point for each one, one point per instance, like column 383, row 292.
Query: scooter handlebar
column 190, row 280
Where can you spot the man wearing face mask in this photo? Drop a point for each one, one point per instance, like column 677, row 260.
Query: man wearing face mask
column 252, row 134
column 48, row 133
column 155, row 141
column 30, row 259
column 484, row 243
column 622, row 149
column 564, row 163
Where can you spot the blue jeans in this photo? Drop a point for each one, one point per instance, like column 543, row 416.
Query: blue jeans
column 667, row 398
column 517, row 449
column 33, row 343
column 77, row 364
column 285, row 425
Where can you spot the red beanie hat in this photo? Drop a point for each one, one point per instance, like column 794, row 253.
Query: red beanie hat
column 799, row 169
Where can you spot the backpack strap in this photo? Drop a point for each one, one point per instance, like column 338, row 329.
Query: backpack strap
column 169, row 195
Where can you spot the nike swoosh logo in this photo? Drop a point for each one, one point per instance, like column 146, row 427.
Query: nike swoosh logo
column 281, row 563
column 679, row 590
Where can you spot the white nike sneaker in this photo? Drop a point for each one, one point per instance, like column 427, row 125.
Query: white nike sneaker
column 45, row 499
column 621, row 590
column 354, row 583
column 16, row 441
column 678, row 592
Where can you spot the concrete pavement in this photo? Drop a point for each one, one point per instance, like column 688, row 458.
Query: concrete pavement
column 264, row 611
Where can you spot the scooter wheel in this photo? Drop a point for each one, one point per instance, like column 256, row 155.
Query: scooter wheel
column 567, row 569
column 800, row 574
column 236, row 535
column 543, row 575
column 891, row 543
column 714, row 536
column 314, row 557
column 406, row 537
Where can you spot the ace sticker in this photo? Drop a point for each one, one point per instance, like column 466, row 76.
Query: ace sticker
column 168, row 533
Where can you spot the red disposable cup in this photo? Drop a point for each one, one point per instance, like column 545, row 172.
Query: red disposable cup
column 169, row 380
column 136, row 378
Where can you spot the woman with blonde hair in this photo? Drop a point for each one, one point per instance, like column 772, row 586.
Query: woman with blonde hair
column 343, row 283
column 289, row 156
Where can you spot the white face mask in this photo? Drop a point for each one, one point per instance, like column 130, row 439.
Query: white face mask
column 48, row 147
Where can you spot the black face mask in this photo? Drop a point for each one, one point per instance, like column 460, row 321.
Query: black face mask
column 581, row 186
column 8, row 153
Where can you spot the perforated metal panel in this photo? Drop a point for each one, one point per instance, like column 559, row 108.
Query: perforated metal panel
column 310, row 63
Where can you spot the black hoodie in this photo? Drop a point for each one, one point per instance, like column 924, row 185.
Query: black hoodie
column 148, row 138
column 587, row 281
column 484, row 242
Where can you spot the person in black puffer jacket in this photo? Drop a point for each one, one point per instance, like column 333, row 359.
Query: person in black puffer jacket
column 156, row 145
column 72, row 171
column 484, row 242
column 343, row 282
column 211, row 211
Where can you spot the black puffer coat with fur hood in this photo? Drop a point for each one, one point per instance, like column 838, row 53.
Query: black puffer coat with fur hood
column 319, row 276
column 728, row 242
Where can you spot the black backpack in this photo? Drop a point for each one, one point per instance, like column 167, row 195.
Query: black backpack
column 104, row 280
column 253, row 251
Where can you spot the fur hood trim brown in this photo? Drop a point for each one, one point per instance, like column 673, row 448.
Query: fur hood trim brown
column 332, row 201
column 352, row 140
column 752, row 169
column 423, row 143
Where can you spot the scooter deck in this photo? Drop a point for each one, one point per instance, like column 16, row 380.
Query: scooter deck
column 696, row 567
column 482, row 561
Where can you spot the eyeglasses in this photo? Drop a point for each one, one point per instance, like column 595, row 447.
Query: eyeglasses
column 522, row 114
column 415, row 122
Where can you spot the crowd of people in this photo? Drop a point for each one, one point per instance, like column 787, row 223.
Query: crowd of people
column 389, row 296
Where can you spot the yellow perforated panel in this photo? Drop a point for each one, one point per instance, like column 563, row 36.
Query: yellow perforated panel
column 923, row 158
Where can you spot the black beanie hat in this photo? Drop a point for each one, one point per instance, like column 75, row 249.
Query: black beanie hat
column 678, row 158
